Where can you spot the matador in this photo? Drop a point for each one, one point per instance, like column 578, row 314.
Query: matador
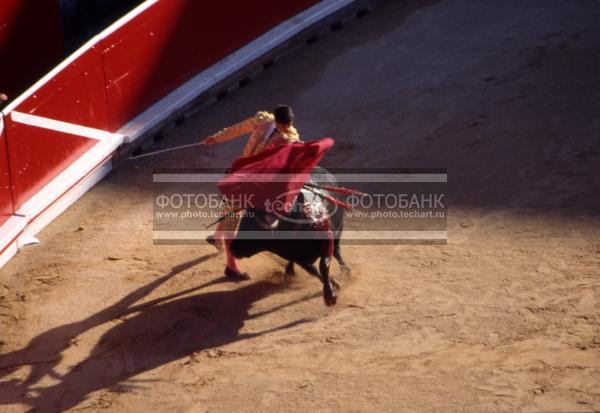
column 265, row 129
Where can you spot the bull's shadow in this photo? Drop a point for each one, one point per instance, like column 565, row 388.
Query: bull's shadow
column 155, row 336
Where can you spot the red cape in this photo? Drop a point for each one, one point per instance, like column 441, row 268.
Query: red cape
column 271, row 179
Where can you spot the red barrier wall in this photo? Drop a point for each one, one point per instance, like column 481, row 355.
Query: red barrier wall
column 31, row 42
column 174, row 40
column 75, row 95
column 117, row 79
column 6, row 206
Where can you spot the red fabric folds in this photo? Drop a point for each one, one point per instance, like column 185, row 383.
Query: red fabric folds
column 271, row 179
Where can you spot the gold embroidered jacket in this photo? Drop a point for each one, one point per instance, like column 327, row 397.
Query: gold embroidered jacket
column 262, row 130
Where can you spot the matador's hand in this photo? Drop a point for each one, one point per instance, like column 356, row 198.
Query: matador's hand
column 209, row 141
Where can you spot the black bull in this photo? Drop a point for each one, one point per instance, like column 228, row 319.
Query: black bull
column 299, row 237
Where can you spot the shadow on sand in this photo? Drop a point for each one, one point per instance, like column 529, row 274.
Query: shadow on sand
column 148, row 335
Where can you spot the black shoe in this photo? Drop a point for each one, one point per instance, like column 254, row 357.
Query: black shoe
column 236, row 276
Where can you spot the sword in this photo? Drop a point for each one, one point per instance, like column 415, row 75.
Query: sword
column 166, row 150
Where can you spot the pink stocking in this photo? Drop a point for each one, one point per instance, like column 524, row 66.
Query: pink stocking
column 231, row 261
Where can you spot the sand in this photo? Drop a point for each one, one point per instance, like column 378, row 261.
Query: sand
column 505, row 318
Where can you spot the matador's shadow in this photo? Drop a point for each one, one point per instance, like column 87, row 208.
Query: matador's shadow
column 150, row 335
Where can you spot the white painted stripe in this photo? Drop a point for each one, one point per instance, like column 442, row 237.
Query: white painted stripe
column 1, row 123
column 348, row 235
column 127, row 18
column 60, row 126
column 75, row 55
column 11, row 229
column 10, row 250
column 258, row 177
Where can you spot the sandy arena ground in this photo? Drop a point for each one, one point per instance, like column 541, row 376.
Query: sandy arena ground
column 505, row 318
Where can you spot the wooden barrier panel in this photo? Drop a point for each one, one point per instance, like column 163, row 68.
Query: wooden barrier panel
column 57, row 138
column 6, row 205
column 56, row 124
column 174, row 40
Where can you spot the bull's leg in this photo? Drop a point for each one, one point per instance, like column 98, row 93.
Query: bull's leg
column 310, row 268
column 289, row 268
column 328, row 292
column 338, row 256
column 324, row 264
column 327, row 249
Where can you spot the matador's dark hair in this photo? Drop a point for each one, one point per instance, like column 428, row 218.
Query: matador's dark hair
column 283, row 114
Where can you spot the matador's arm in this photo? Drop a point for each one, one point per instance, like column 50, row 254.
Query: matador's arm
column 246, row 126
